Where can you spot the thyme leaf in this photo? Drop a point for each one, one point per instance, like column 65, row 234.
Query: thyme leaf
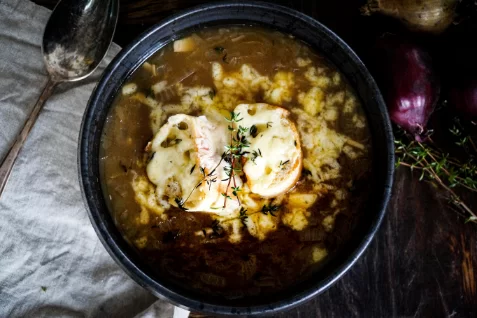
column 253, row 131
column 226, row 196
column 243, row 216
column 255, row 155
column 270, row 209
column 235, row 191
column 212, row 93
column 282, row 164
column 234, row 117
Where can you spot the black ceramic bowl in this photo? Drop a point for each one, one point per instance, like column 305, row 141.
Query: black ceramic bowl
column 268, row 15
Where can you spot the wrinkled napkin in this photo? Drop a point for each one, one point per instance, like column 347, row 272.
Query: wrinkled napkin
column 51, row 262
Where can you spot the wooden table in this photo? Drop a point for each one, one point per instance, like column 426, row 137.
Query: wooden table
column 423, row 262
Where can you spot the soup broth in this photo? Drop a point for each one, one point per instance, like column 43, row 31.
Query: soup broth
column 252, row 240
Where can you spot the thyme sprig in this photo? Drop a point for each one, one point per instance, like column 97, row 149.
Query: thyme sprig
column 234, row 154
column 438, row 167
column 209, row 178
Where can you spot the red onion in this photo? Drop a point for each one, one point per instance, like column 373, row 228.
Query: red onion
column 408, row 83
column 463, row 98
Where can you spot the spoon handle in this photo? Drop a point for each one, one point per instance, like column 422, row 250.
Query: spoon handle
column 9, row 160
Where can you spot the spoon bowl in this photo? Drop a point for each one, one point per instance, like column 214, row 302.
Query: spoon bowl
column 76, row 38
column 74, row 52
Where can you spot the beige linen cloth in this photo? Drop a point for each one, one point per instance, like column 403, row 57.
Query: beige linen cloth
column 51, row 262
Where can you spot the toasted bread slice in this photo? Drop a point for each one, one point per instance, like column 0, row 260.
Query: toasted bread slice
column 186, row 165
column 275, row 160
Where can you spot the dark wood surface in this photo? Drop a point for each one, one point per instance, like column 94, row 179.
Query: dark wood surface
column 423, row 262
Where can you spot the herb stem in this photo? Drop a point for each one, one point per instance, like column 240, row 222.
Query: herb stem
column 447, row 172
column 235, row 150
column 235, row 186
column 436, row 152
column 455, row 199
column 230, row 180
column 403, row 163
column 206, row 176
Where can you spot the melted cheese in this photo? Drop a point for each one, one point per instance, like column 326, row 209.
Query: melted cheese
column 297, row 218
column 278, row 166
column 259, row 225
column 145, row 195
column 272, row 174
column 186, row 164
column 318, row 254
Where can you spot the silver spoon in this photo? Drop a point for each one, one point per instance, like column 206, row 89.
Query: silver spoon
column 76, row 38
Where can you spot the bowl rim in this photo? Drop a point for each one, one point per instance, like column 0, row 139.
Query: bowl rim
column 139, row 275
